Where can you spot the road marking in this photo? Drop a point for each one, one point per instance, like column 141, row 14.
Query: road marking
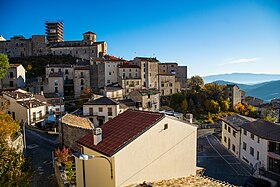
column 221, row 155
column 216, row 156
column 32, row 146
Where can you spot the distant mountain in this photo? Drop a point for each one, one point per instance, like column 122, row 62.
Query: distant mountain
column 243, row 78
column 266, row 90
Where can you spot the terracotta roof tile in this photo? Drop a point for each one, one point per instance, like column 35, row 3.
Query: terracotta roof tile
column 121, row 130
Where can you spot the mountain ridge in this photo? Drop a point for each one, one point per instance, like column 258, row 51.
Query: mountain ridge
column 242, row 78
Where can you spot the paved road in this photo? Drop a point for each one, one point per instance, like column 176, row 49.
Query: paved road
column 39, row 151
column 220, row 163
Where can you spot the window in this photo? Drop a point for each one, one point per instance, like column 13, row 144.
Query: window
column 226, row 126
column 110, row 113
column 11, row 83
column 234, row 133
column 11, row 74
column 52, row 70
column 165, row 126
column 108, row 81
column 162, row 84
column 66, row 71
column 82, row 74
column 90, row 111
column 170, row 91
column 123, row 75
column 244, row 132
column 129, row 70
column 110, row 73
column 258, row 155
column 100, row 109
column 170, row 84
column 258, row 139
column 56, row 89
column 130, row 75
column 225, row 139
column 244, row 146
column 59, row 70
column 252, row 136
column 252, row 151
column 229, row 130
column 233, row 148
column 55, row 82
column 82, row 88
column 82, row 81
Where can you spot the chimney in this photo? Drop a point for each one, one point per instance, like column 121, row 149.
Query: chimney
column 97, row 136
column 189, row 118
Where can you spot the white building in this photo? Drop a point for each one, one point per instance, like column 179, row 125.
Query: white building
column 231, row 132
column 260, row 141
column 137, row 146
column 24, row 107
column 101, row 110
column 14, row 78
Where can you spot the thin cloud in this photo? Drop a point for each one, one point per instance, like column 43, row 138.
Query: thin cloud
column 241, row 60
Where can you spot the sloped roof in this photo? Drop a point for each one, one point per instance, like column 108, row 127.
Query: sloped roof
column 122, row 130
column 236, row 120
column 102, row 101
column 264, row 129
column 76, row 121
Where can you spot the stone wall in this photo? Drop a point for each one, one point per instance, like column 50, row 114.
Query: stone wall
column 69, row 135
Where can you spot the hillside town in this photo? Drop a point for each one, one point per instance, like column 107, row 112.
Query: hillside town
column 104, row 121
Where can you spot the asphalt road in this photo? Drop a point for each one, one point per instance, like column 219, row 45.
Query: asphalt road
column 39, row 151
column 220, row 163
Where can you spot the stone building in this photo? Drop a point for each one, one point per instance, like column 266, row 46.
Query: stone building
column 167, row 84
column 85, row 49
column 146, row 99
column 149, row 71
column 129, row 78
column 235, row 94
column 81, row 79
column 180, row 72
column 73, row 128
column 18, row 46
column 14, row 78
column 62, row 73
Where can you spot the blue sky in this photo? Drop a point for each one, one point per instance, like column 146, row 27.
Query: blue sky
column 209, row 36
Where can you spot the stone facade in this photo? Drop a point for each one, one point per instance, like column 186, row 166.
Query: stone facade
column 167, row 84
column 234, row 94
column 81, row 79
column 18, row 46
column 14, row 78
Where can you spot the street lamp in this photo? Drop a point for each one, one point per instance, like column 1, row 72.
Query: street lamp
column 87, row 157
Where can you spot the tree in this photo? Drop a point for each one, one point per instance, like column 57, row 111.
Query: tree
column 196, row 83
column 184, row 106
column 225, row 104
column 14, row 169
column 4, row 65
column 270, row 115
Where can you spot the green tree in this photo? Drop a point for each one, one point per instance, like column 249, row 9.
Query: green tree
column 4, row 65
column 14, row 169
column 184, row 106
column 270, row 115
column 196, row 83
column 212, row 106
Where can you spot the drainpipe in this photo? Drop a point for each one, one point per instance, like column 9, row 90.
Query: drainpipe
column 84, row 172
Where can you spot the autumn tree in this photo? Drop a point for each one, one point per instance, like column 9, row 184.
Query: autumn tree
column 225, row 105
column 14, row 169
column 270, row 115
column 4, row 65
